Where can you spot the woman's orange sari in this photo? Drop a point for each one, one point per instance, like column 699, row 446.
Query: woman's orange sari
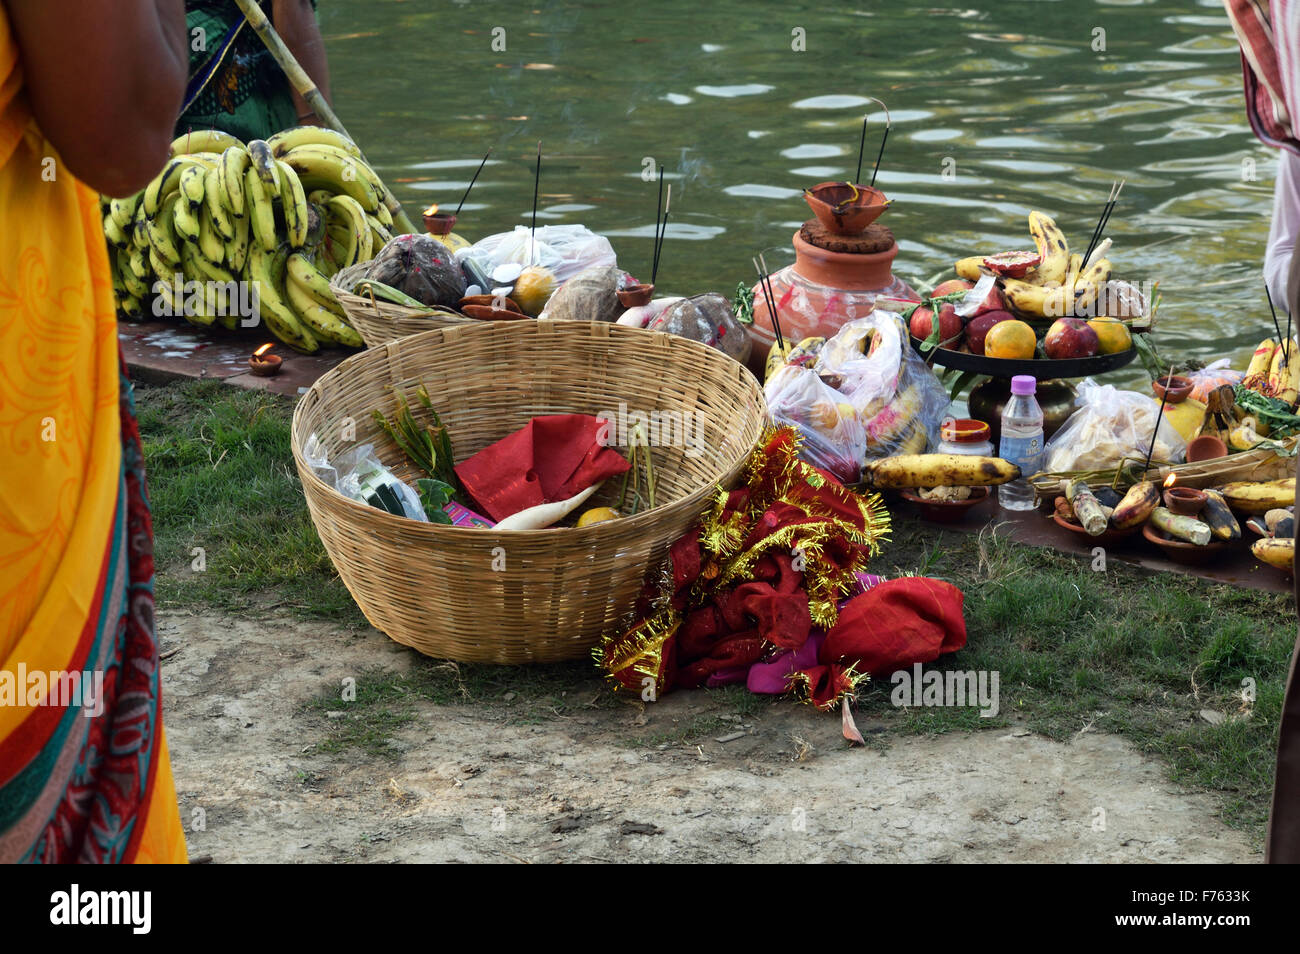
column 84, row 770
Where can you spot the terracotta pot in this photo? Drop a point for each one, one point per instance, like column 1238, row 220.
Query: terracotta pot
column 844, row 270
column 634, row 296
column 843, row 208
column 1173, row 390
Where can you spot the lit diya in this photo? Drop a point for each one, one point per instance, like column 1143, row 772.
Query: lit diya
column 438, row 223
column 1187, row 501
column 263, row 363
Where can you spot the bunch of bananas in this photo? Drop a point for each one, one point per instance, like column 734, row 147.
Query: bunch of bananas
column 280, row 215
column 1274, row 370
column 1060, row 284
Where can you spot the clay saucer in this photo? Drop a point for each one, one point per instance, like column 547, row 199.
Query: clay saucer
column 634, row 296
column 481, row 308
column 844, row 208
column 1180, row 551
column 946, row 511
column 1107, row 538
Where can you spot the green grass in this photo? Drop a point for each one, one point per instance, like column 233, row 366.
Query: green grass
column 1124, row 651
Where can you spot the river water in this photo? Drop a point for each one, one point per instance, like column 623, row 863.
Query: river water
column 997, row 107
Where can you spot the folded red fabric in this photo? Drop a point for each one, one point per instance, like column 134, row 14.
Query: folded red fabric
column 550, row 458
column 897, row 623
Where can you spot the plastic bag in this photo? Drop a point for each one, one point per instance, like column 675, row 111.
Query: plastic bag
column 1110, row 425
column 1211, row 376
column 360, row 475
column 867, row 395
column 563, row 249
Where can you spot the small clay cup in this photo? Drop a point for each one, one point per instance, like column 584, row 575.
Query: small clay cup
column 1187, row 501
column 1173, row 390
column 265, row 365
column 440, row 223
column 634, row 296
column 1206, row 447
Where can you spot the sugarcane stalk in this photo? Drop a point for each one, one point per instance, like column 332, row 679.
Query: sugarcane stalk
column 1180, row 527
column 1087, row 508
column 307, row 90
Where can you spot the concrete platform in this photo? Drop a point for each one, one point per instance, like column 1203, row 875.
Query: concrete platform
column 162, row 350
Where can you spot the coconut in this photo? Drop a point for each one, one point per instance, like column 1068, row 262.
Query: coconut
column 707, row 318
column 590, row 295
column 420, row 266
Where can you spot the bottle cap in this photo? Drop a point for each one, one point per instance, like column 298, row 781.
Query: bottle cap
column 964, row 431
column 1023, row 384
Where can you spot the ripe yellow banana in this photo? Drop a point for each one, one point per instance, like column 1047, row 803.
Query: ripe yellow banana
column 185, row 220
column 320, row 167
column 293, row 201
column 215, row 203
column 203, row 140
column 344, row 212
column 1259, row 496
column 969, row 268
column 324, row 324
column 1090, row 282
column 210, row 241
column 259, row 209
column 266, row 269
column 1261, row 362
column 1039, row 301
column 1052, row 246
column 162, row 232
column 282, row 142
column 234, row 163
column 1275, row 552
column 905, row 471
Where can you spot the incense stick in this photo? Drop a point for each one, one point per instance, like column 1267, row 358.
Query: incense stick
column 1159, row 415
column 537, row 178
column 862, row 143
column 1104, row 218
column 659, row 208
column 659, row 248
column 771, row 306
column 472, row 181
column 1276, row 326
column 889, row 124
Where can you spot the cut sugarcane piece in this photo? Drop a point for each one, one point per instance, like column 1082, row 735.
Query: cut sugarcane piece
column 1180, row 527
column 1087, row 509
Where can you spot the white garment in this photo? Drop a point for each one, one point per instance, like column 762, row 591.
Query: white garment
column 1285, row 227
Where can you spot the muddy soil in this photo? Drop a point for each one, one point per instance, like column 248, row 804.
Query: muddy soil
column 617, row 781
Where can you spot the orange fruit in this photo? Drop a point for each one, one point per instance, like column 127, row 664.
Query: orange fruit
column 1112, row 335
column 1010, row 339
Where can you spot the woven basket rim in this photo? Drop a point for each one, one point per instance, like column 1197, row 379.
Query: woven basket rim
column 435, row 530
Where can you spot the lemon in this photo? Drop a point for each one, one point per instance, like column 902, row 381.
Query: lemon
column 597, row 515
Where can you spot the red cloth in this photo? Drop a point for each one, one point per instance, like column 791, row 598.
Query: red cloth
column 550, row 458
column 895, row 624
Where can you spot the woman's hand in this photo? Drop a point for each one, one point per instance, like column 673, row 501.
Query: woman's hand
column 295, row 21
column 105, row 80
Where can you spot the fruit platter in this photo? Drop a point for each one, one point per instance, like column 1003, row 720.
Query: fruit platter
column 1049, row 312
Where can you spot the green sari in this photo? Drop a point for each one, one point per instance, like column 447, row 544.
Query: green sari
column 235, row 84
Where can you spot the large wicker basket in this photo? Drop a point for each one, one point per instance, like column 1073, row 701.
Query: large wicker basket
column 378, row 321
column 526, row 596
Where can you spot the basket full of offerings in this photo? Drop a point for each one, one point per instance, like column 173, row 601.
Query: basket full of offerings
column 679, row 418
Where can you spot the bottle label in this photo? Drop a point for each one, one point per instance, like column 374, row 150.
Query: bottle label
column 1024, row 452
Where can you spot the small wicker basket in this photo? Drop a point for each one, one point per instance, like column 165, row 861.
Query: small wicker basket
column 476, row 595
column 378, row 321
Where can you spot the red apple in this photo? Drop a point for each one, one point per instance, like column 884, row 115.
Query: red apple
column 950, row 323
column 1071, row 338
column 951, row 287
column 979, row 326
column 992, row 302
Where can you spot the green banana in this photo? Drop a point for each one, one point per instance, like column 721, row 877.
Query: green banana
column 265, row 269
column 309, row 279
column 138, row 262
column 123, row 211
column 135, row 287
column 324, row 324
column 114, row 234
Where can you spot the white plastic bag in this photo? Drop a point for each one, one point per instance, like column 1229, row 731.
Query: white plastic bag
column 1108, row 426
column 868, row 395
column 360, row 475
column 563, row 249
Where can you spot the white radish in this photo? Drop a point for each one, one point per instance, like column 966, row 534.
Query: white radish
column 543, row 515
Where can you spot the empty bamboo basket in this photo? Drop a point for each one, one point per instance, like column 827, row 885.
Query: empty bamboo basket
column 476, row 595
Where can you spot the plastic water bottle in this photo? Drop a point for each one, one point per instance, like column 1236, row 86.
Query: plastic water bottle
column 1021, row 442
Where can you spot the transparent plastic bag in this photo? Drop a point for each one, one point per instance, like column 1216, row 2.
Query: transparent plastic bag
column 564, row 250
column 1213, row 375
column 868, row 395
column 360, row 475
column 1108, row 426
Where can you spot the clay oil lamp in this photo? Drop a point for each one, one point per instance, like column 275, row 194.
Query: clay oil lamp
column 438, row 223
column 1187, row 501
column 844, row 208
column 636, row 295
column 1173, row 388
column 263, row 363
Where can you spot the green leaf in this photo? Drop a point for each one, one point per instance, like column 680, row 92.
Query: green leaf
column 434, row 496
column 963, row 380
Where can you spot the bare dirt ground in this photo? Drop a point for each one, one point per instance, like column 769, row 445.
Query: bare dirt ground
column 597, row 782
